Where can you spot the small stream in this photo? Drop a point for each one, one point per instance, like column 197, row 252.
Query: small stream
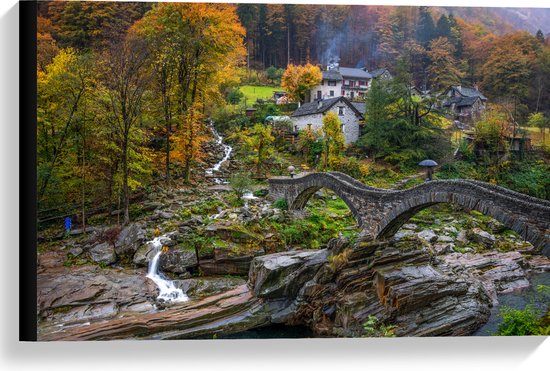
column 518, row 300
column 227, row 149
column 168, row 292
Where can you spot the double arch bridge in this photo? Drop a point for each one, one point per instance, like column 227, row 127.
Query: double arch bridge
column 381, row 212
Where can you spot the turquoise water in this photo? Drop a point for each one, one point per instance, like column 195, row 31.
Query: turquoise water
column 273, row 332
column 519, row 300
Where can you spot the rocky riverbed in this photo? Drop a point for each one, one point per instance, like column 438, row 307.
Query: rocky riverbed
column 424, row 282
column 440, row 275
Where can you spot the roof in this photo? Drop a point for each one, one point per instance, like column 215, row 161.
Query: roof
column 461, row 101
column 312, row 108
column 467, row 101
column 332, row 75
column 467, row 91
column 357, row 73
column 378, row 72
column 360, row 106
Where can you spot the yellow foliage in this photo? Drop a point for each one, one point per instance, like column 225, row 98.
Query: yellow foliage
column 298, row 80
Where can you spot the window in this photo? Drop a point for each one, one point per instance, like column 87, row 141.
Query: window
column 351, row 95
column 331, row 93
column 332, row 83
column 319, row 96
column 341, row 112
column 322, row 82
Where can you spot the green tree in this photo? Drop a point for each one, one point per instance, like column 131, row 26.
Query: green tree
column 258, row 142
column 537, row 120
column 334, row 140
column 61, row 91
column 425, row 30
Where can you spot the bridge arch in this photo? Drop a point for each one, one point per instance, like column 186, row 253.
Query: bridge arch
column 380, row 212
column 301, row 199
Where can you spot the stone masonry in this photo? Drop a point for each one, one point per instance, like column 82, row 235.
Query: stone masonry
column 380, row 212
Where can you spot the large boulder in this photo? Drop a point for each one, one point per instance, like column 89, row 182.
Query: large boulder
column 103, row 253
column 480, row 236
column 177, row 261
column 129, row 240
column 144, row 254
column 284, row 274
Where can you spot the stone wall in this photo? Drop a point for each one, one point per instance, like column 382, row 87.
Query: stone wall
column 349, row 120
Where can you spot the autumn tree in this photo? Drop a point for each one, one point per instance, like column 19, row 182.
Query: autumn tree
column 125, row 77
column 310, row 144
column 201, row 44
column 490, row 138
column 507, row 71
column 61, row 90
column 333, row 140
column 443, row 69
column 299, row 80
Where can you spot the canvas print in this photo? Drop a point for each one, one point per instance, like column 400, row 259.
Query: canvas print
column 236, row 171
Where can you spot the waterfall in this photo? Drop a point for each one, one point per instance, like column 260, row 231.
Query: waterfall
column 167, row 290
column 227, row 149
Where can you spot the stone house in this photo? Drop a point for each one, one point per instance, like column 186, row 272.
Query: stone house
column 312, row 113
column 345, row 82
column 465, row 104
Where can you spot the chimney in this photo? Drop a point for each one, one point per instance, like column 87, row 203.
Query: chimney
column 319, row 104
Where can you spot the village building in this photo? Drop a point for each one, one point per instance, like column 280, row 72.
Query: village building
column 465, row 104
column 345, row 82
column 350, row 114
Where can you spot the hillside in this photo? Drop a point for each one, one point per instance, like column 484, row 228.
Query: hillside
column 503, row 20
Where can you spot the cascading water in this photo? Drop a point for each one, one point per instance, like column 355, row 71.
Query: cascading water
column 227, row 149
column 168, row 292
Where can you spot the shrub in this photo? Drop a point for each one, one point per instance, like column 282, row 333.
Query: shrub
column 240, row 183
column 520, row 322
column 281, row 204
column 374, row 328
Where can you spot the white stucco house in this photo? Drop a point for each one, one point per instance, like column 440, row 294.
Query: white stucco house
column 345, row 82
column 312, row 113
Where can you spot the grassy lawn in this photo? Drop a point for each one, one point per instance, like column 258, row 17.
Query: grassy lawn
column 536, row 136
column 252, row 92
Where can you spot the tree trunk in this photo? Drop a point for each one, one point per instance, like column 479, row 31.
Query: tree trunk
column 126, row 196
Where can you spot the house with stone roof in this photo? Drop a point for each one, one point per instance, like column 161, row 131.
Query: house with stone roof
column 345, row 82
column 350, row 114
column 465, row 104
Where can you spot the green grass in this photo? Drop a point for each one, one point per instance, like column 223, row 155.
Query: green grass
column 252, row 93
column 536, row 136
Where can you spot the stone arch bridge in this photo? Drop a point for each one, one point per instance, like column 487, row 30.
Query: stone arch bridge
column 381, row 212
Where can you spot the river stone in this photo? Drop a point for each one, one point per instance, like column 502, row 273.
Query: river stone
column 480, row 236
column 284, row 274
column 130, row 239
column 403, row 233
column 462, row 237
column 428, row 235
column 103, row 253
column 177, row 261
column 144, row 254
column 208, row 285
column 444, row 238
column 76, row 251
column 443, row 248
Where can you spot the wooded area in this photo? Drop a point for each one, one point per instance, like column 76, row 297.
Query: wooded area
column 124, row 88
